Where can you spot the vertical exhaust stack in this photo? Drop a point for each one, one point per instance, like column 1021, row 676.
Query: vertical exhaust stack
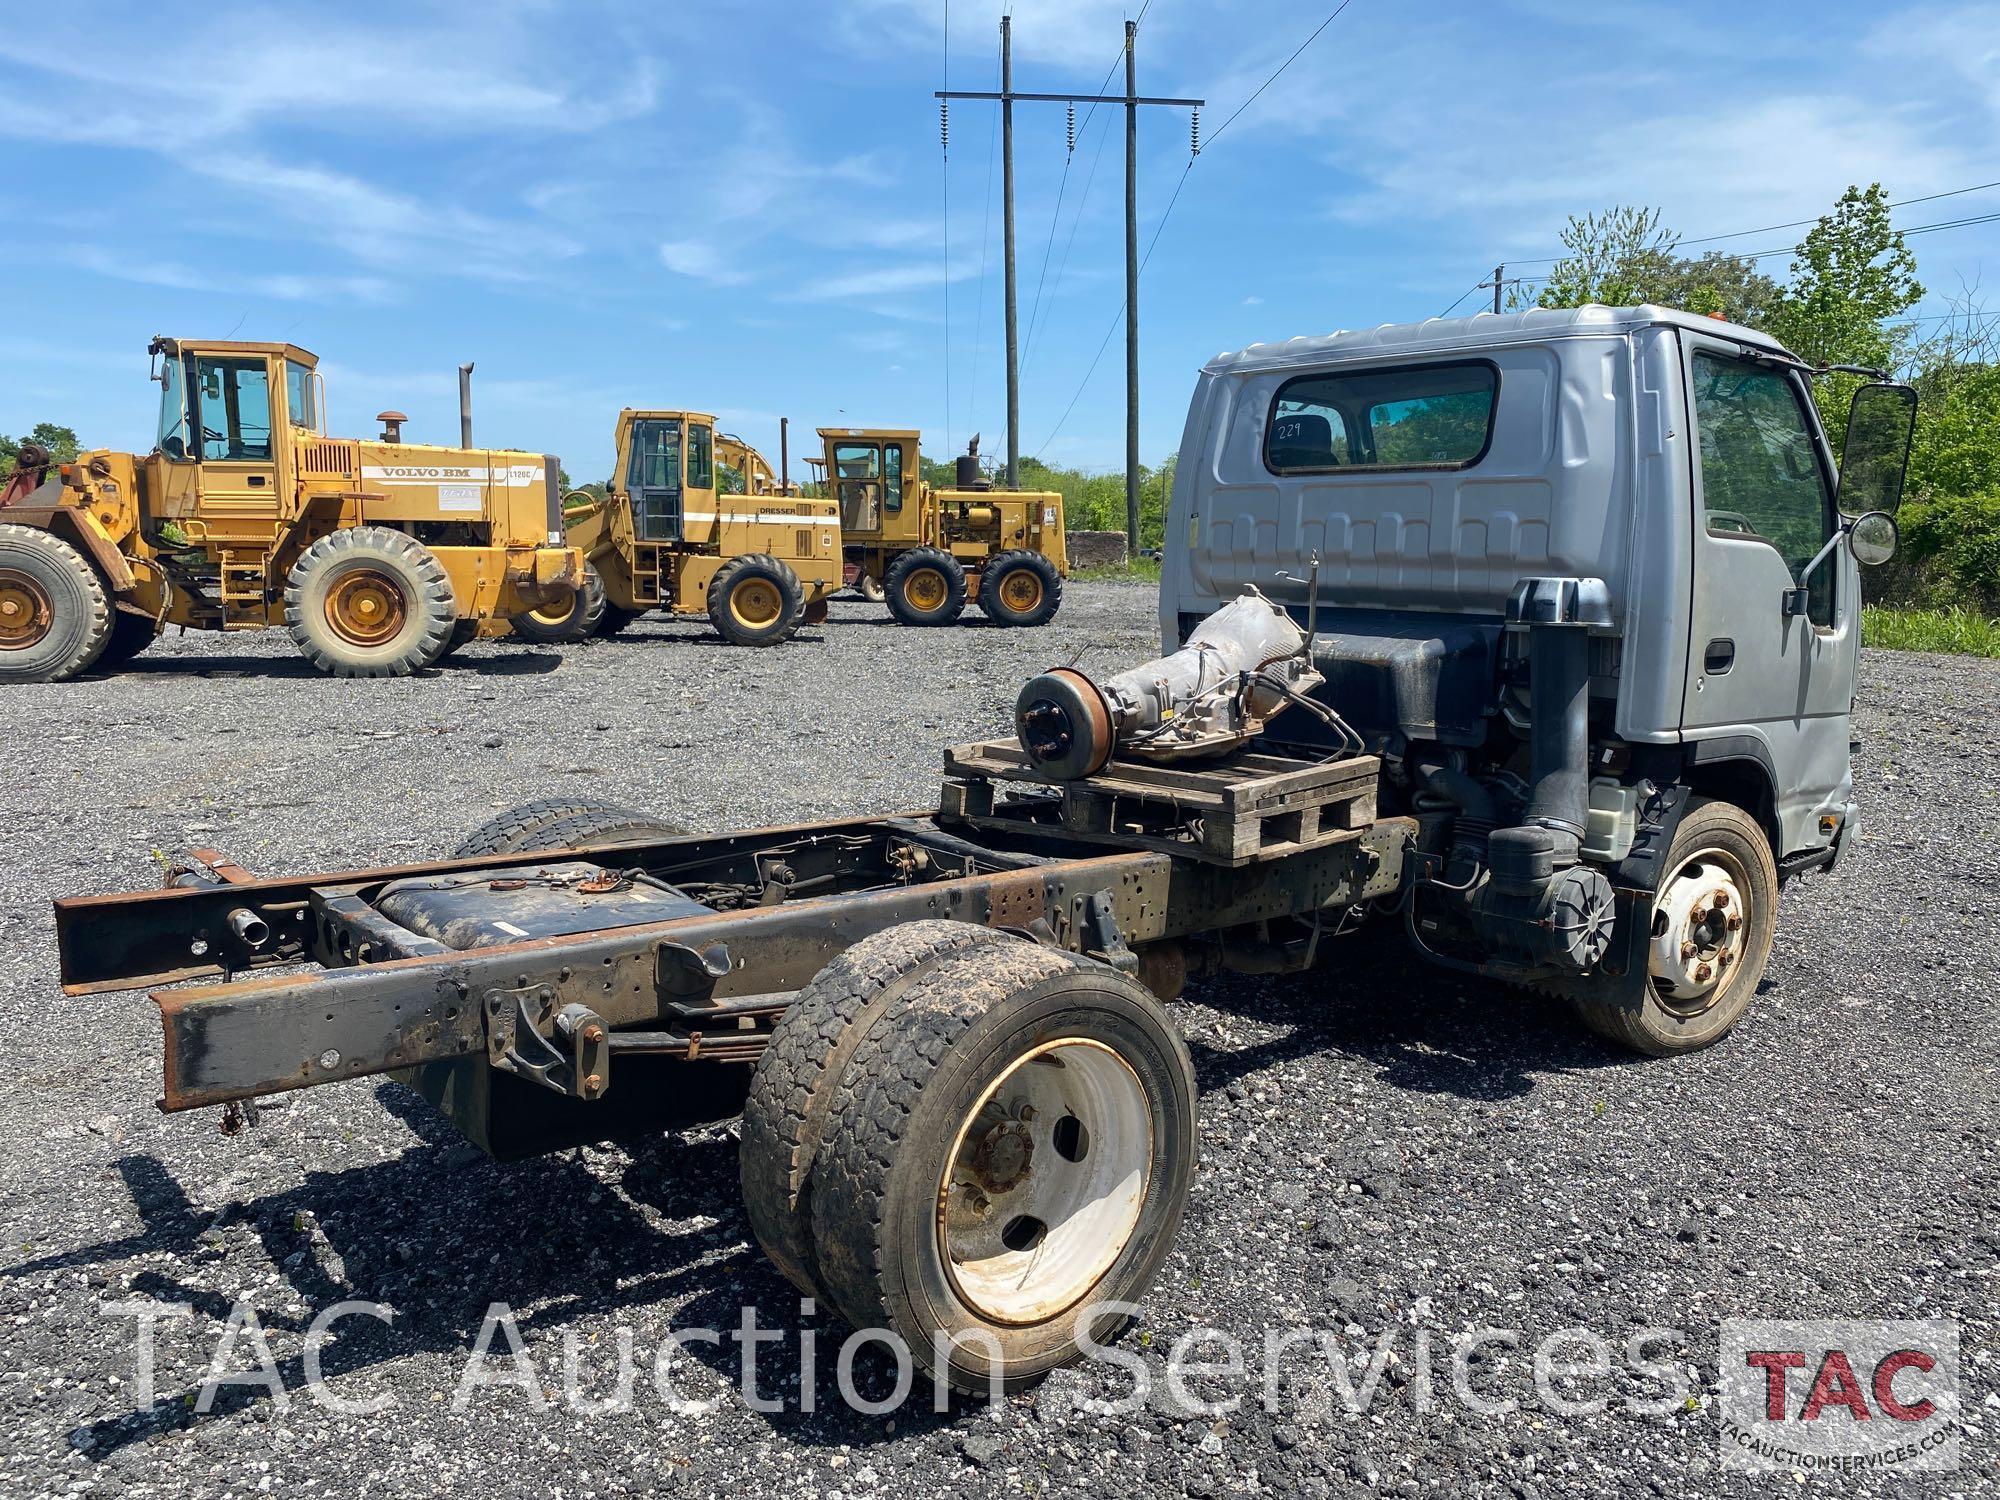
column 784, row 455
column 465, row 405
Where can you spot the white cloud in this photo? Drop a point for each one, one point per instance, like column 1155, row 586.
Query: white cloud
column 283, row 287
column 702, row 261
column 882, row 280
column 1082, row 35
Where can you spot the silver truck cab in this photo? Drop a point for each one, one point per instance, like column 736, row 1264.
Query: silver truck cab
column 1655, row 480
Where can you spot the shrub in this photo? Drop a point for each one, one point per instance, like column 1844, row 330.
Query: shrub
column 1949, row 557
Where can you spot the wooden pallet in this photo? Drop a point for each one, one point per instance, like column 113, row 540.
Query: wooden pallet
column 1237, row 810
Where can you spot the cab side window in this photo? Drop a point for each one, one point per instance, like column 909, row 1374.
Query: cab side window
column 235, row 409
column 701, row 458
column 1760, row 471
column 892, row 476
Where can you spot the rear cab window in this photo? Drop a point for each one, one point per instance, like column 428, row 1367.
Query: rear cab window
column 1435, row 416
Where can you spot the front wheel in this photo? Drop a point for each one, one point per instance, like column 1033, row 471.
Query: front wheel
column 369, row 602
column 55, row 615
column 755, row 601
column 1713, row 921
column 926, row 586
column 1010, row 1150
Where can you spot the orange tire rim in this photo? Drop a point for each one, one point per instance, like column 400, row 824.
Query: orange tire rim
column 366, row 607
column 1021, row 591
column 925, row 589
column 26, row 615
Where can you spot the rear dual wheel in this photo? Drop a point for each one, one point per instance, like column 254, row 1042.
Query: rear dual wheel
column 978, row 1146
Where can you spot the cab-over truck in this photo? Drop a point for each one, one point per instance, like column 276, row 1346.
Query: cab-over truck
column 1533, row 636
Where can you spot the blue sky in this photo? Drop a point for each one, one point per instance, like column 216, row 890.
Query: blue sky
column 739, row 207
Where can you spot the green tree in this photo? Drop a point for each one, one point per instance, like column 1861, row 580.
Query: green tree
column 61, row 442
column 1624, row 256
column 1852, row 275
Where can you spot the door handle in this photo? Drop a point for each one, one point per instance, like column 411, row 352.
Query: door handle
column 256, row 481
column 1720, row 657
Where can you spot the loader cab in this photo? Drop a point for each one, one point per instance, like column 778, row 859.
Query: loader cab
column 875, row 476
column 228, row 413
column 667, row 473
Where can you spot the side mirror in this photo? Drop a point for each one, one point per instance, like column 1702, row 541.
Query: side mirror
column 1876, row 455
column 1871, row 538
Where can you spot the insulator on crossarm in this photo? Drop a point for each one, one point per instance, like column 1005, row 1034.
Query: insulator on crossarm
column 944, row 125
column 1072, row 128
column 1194, row 132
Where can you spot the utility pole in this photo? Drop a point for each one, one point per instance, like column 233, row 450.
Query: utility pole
column 1131, row 292
column 1007, row 235
column 1007, row 98
column 1499, row 280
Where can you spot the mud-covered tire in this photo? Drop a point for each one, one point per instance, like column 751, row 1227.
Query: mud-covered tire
column 886, row 1185
column 1637, row 1010
column 369, row 602
column 1020, row 588
column 574, row 619
column 55, row 613
column 130, row 635
column 755, row 600
column 558, row 823
column 926, row 586
column 792, row 1089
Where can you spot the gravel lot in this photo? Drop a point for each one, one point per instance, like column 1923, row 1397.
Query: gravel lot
column 1385, row 1148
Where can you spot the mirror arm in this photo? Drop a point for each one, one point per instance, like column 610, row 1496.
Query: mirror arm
column 1797, row 597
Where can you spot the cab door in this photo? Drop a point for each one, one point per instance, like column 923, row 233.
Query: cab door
column 231, row 407
column 1764, row 684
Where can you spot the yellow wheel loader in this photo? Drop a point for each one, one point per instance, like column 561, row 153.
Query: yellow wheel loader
column 380, row 557
column 928, row 552
column 670, row 533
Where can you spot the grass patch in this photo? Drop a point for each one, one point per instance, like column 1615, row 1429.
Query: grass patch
column 1145, row 570
column 1961, row 631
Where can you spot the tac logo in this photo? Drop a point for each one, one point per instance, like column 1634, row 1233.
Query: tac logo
column 1844, row 1395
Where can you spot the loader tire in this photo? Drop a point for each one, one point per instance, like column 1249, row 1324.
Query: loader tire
column 1010, row 1149
column 925, row 586
column 369, row 602
column 791, row 1091
column 574, row 619
column 130, row 634
column 558, row 823
column 55, row 614
column 1020, row 588
column 755, row 600
column 1674, row 1006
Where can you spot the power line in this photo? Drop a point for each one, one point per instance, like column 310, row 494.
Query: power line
column 1089, row 177
column 1740, row 234
column 944, row 235
column 1175, row 198
column 1216, row 134
column 985, row 240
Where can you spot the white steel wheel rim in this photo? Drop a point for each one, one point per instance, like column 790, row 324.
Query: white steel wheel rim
column 1700, row 924
column 1045, row 1181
